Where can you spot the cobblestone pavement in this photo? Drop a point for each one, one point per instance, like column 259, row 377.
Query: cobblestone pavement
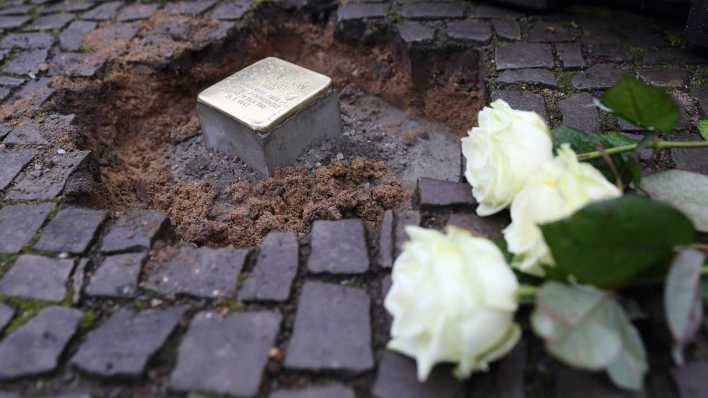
column 97, row 303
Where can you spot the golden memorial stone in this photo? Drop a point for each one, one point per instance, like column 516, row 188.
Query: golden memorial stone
column 269, row 112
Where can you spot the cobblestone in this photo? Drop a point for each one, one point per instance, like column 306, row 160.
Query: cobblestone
column 275, row 270
column 470, row 31
column 386, row 240
column 404, row 218
column 36, row 93
column 136, row 12
column 11, row 163
column 71, row 231
column 415, row 33
column 542, row 77
column 37, row 277
column 524, row 55
column 225, row 355
column 490, row 227
column 579, row 112
column 437, row 193
column 75, row 65
column 19, row 223
column 507, row 29
column 332, row 330
column 50, row 22
column 26, row 63
column 549, row 32
column 135, row 230
column 6, row 314
column 570, row 55
column 597, row 77
column 27, row 41
column 232, row 10
column 665, row 77
column 522, row 101
column 118, row 276
column 35, row 348
column 338, row 247
column 201, row 272
column 123, row 345
column 12, row 22
column 702, row 96
column 73, row 36
column 52, row 128
column 396, row 378
column 69, row 6
column 433, row 10
column 48, row 181
column 690, row 379
column 103, row 12
column 191, row 8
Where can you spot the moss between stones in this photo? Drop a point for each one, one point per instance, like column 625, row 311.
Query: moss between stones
column 565, row 82
column 26, row 310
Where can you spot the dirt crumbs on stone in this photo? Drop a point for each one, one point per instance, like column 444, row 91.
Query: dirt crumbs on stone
column 290, row 201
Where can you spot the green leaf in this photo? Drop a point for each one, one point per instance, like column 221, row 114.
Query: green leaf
column 629, row 368
column 642, row 104
column 618, row 242
column 683, row 295
column 703, row 129
column 684, row 190
column 578, row 324
column 626, row 164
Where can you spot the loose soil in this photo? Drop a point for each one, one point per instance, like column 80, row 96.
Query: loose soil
column 141, row 124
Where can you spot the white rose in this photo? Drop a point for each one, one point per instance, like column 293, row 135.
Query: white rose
column 560, row 188
column 506, row 148
column 453, row 299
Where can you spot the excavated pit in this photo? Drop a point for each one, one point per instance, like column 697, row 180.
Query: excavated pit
column 141, row 124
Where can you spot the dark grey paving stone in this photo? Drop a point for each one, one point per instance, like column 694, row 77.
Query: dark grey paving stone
column 549, row 32
column 674, row 56
column 701, row 94
column 124, row 344
column 76, row 64
column 48, row 181
column 103, row 12
column 18, row 9
column 50, row 22
column 118, row 276
column 524, row 55
column 69, row 6
column 470, row 31
column 225, row 355
column 404, row 218
column 332, row 330
column 200, row 272
column 275, row 270
column 6, row 314
column 524, row 101
column 695, row 160
column 43, row 132
column 569, row 382
column 489, row 227
column 19, row 223
column 35, row 93
column 507, row 29
column 37, row 277
column 542, row 77
column 136, row 230
column 412, row 33
column 73, row 37
column 11, row 163
column 191, row 8
column 7, row 81
column 609, row 52
column 570, row 55
column 433, row 10
column 71, row 231
column 691, row 379
column 27, row 41
column 136, row 12
column 597, row 77
column 386, row 240
column 438, row 193
column 35, row 347
column 354, row 11
column 579, row 112
column 4, row 93
column 672, row 77
column 117, row 32
column 338, row 247
column 397, row 378
column 13, row 22
column 26, row 63
column 328, row 391
column 232, row 10
column 494, row 12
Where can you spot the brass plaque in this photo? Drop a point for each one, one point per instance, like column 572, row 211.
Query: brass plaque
column 265, row 93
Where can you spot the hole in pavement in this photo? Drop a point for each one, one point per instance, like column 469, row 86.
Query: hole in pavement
column 399, row 122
